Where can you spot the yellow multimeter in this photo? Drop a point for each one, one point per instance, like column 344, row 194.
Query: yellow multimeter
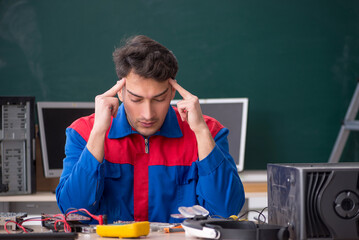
column 124, row 230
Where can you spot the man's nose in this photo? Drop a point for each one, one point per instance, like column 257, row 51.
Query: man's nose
column 147, row 111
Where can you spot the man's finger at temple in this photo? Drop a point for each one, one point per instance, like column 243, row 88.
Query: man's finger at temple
column 183, row 92
column 115, row 89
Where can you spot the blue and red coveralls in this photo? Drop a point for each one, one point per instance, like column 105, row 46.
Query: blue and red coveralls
column 148, row 179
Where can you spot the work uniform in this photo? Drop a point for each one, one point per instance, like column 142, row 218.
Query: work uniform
column 148, row 178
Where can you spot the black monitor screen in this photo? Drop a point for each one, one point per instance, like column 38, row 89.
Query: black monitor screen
column 54, row 118
column 56, row 121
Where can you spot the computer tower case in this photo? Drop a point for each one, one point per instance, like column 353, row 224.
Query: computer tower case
column 17, row 145
column 315, row 201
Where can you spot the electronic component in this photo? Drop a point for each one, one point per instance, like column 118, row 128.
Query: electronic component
column 124, row 230
column 71, row 221
column 11, row 216
column 17, row 144
column 160, row 227
column 177, row 228
column 315, row 200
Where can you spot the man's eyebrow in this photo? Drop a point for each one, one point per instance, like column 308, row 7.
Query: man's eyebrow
column 134, row 94
column 162, row 93
column 158, row 95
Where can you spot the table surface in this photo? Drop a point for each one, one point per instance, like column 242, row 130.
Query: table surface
column 94, row 236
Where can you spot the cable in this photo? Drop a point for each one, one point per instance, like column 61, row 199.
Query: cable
column 57, row 222
column 17, row 224
column 260, row 214
column 100, row 218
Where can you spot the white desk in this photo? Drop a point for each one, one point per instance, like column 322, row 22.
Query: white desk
column 94, row 236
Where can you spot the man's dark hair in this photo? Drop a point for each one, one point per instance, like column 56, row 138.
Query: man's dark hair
column 146, row 58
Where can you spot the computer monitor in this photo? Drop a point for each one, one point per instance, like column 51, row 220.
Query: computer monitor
column 231, row 113
column 54, row 118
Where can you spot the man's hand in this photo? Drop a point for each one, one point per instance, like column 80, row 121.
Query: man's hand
column 190, row 111
column 189, row 108
column 106, row 105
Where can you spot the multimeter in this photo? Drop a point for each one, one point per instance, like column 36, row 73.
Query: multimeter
column 124, row 230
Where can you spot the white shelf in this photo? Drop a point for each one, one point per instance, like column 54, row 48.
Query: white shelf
column 253, row 176
column 37, row 197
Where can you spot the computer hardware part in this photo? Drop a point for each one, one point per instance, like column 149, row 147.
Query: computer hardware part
column 17, row 145
column 13, row 217
column 315, row 201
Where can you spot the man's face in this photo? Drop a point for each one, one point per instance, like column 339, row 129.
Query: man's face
column 146, row 102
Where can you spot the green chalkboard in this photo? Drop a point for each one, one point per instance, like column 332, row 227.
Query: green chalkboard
column 296, row 61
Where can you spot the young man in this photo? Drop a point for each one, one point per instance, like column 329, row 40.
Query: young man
column 144, row 159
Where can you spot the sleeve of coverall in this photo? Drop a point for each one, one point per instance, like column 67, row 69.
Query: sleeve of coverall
column 81, row 182
column 219, row 188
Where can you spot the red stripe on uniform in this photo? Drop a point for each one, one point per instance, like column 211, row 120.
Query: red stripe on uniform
column 140, row 187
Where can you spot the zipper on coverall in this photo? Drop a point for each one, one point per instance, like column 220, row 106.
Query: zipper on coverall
column 146, row 145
